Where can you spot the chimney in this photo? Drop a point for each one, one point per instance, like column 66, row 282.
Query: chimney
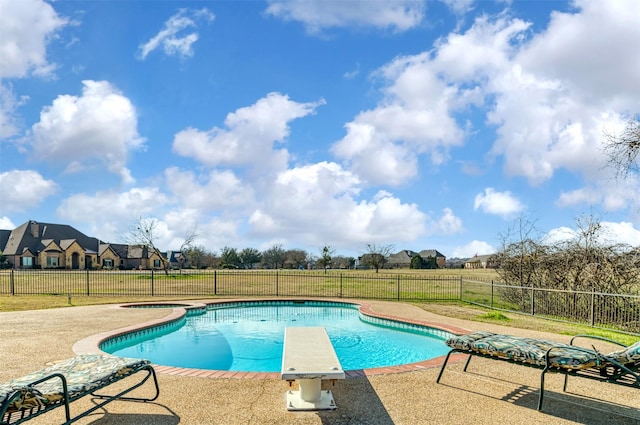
column 35, row 229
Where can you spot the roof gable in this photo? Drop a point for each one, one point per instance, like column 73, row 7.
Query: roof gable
column 31, row 235
column 4, row 238
column 426, row 253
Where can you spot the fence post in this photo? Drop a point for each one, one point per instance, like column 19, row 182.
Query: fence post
column 13, row 288
column 491, row 301
column 88, row 292
column 460, row 288
column 340, row 284
column 276, row 283
column 215, row 282
column 152, row 283
column 398, row 287
column 593, row 306
column 533, row 301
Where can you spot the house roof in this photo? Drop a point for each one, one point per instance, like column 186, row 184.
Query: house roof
column 480, row 258
column 31, row 236
column 426, row 253
column 124, row 251
column 402, row 257
column 4, row 238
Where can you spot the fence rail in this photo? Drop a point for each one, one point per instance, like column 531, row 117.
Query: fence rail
column 616, row 311
column 230, row 283
column 596, row 309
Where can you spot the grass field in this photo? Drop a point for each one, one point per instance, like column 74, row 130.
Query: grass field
column 438, row 289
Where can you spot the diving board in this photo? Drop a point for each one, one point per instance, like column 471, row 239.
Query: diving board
column 308, row 357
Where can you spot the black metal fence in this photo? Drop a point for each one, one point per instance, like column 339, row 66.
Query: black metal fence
column 596, row 309
column 278, row 283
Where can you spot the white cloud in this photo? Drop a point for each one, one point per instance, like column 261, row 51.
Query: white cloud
column 100, row 125
column 27, row 27
column 611, row 233
column 613, row 195
column 317, row 203
column 448, row 224
column 473, row 248
column 415, row 117
column 9, row 121
column 503, row 204
column 24, row 189
column 175, row 38
column 623, row 232
column 595, row 67
column 217, row 190
column 6, row 224
column 398, row 15
column 250, row 135
column 109, row 213
column 484, row 51
column 564, row 88
column 459, row 6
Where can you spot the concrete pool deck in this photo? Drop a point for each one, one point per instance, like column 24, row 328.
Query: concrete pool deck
column 489, row 391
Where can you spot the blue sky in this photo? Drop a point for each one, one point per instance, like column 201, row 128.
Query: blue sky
column 421, row 124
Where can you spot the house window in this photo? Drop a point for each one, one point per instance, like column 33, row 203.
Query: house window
column 52, row 261
column 156, row 263
column 26, row 261
column 107, row 262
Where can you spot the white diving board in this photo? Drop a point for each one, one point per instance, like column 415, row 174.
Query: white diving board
column 308, row 357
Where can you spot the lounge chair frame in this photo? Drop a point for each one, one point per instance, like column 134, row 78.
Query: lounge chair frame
column 19, row 416
column 607, row 369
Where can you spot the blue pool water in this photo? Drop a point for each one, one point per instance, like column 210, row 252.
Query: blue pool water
column 249, row 337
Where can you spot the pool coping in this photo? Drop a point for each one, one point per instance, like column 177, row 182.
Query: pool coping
column 92, row 343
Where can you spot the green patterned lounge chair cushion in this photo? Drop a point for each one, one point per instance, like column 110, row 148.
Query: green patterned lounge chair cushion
column 629, row 355
column 463, row 342
column 528, row 350
column 84, row 373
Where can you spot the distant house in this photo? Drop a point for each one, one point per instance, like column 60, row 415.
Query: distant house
column 403, row 258
column 60, row 246
column 489, row 261
column 441, row 260
column 176, row 259
column 47, row 245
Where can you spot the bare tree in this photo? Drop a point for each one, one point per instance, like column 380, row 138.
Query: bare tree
column 623, row 150
column 144, row 232
column 581, row 261
column 376, row 255
column 521, row 246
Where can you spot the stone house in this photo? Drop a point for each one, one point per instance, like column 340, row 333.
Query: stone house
column 482, row 262
column 60, row 246
column 402, row 259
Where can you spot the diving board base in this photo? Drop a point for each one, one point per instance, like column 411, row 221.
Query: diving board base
column 308, row 358
column 325, row 402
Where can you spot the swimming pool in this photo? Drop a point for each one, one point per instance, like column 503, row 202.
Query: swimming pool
column 248, row 336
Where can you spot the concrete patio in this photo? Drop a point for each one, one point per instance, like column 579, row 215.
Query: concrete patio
column 491, row 391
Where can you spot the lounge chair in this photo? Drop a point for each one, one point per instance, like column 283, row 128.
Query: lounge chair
column 619, row 367
column 32, row 395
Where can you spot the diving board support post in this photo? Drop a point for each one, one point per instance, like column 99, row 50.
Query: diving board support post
column 308, row 357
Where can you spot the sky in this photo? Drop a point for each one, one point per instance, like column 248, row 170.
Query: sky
column 341, row 123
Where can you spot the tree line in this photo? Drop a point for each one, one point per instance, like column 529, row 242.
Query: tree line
column 584, row 259
column 275, row 257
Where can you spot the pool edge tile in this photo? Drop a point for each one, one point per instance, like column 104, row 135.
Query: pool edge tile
column 92, row 344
